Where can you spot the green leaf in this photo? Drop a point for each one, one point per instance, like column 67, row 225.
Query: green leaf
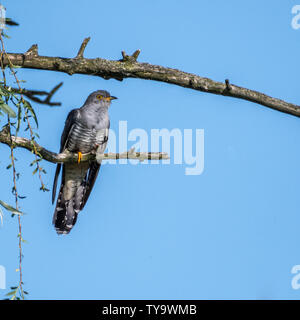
column 8, row 110
column 11, row 293
column 28, row 106
column 5, row 35
column 10, row 208
column 19, row 116
column 4, row 92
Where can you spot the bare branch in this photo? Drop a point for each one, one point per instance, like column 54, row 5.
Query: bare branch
column 82, row 48
column 72, row 157
column 10, row 22
column 129, row 68
column 32, row 95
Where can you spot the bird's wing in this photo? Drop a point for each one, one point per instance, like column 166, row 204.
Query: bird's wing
column 102, row 138
column 92, row 176
column 55, row 181
column 72, row 116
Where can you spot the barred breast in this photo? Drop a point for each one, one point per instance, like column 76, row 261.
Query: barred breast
column 81, row 139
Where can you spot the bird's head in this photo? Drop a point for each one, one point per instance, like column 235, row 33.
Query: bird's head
column 100, row 98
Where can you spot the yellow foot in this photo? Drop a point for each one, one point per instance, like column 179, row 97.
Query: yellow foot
column 79, row 156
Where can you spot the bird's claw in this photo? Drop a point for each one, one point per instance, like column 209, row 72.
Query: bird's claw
column 79, row 156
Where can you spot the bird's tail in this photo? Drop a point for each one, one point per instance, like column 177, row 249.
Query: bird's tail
column 66, row 212
column 71, row 194
column 75, row 189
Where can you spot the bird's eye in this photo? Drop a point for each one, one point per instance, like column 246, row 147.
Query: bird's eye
column 99, row 97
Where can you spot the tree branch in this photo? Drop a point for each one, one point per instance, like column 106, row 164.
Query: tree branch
column 10, row 22
column 128, row 67
column 32, row 95
column 72, row 157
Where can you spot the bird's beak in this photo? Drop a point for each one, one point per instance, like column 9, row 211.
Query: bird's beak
column 113, row 98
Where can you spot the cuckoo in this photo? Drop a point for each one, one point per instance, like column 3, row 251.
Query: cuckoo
column 86, row 129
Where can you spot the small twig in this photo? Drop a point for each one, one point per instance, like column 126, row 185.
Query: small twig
column 10, row 22
column 82, row 48
column 132, row 58
column 227, row 83
column 136, row 54
column 15, row 191
column 31, row 51
column 31, row 94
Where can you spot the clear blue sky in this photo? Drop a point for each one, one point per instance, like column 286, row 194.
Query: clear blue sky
column 151, row 232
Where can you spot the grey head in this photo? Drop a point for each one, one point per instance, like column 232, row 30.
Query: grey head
column 94, row 112
column 99, row 98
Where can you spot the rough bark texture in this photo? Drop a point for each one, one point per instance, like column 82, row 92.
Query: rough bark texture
column 128, row 67
column 71, row 157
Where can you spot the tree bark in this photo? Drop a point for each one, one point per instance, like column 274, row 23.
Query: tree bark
column 73, row 157
column 128, row 67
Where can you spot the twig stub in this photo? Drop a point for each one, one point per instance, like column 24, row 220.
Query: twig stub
column 32, row 95
column 32, row 51
column 82, row 48
column 227, row 83
column 132, row 58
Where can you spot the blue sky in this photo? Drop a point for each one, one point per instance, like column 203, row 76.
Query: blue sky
column 150, row 231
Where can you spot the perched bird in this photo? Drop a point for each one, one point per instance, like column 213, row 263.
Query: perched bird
column 86, row 129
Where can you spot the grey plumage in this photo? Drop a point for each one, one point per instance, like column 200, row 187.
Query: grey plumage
column 85, row 130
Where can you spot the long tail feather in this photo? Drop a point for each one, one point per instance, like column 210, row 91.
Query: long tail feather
column 73, row 195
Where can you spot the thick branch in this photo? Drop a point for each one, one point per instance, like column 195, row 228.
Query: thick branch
column 128, row 67
column 71, row 157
